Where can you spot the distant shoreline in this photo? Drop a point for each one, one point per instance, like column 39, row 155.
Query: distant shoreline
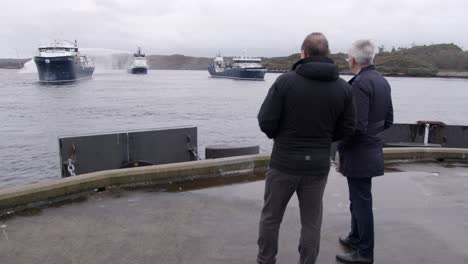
column 13, row 63
column 442, row 74
column 180, row 62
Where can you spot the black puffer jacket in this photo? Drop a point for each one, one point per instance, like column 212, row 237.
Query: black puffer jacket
column 305, row 110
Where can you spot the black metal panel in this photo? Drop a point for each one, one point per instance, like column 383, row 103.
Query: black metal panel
column 90, row 153
column 452, row 136
column 404, row 133
column 412, row 135
column 449, row 136
column 222, row 151
column 162, row 146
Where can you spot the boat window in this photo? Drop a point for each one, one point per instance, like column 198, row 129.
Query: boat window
column 57, row 49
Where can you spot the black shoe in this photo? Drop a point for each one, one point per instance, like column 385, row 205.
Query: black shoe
column 354, row 257
column 348, row 242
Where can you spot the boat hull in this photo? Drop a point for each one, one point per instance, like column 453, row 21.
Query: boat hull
column 62, row 69
column 138, row 70
column 255, row 74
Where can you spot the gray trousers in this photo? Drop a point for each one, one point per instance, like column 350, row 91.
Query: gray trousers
column 279, row 188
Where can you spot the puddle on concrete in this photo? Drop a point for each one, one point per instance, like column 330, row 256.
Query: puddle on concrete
column 197, row 184
column 29, row 212
column 426, row 166
column 451, row 165
column 392, row 170
column 113, row 192
column 37, row 210
column 72, row 200
column 23, row 212
column 118, row 192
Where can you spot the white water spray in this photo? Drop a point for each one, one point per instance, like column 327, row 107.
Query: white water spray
column 29, row 67
column 104, row 59
column 108, row 59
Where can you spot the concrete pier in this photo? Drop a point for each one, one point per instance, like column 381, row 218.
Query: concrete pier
column 421, row 215
column 190, row 214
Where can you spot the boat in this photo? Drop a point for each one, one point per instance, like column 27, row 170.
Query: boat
column 61, row 61
column 241, row 68
column 139, row 64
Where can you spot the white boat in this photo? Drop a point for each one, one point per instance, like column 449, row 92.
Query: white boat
column 139, row 64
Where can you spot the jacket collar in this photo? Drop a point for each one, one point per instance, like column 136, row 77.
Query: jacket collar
column 367, row 68
column 312, row 59
column 317, row 68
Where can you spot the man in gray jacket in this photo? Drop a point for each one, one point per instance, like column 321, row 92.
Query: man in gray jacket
column 304, row 112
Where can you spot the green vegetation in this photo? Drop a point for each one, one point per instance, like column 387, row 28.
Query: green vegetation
column 415, row 61
column 422, row 60
column 281, row 63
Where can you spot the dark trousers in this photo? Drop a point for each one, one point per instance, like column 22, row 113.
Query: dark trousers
column 279, row 188
column 362, row 217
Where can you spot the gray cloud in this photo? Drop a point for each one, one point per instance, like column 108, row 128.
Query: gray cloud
column 201, row 28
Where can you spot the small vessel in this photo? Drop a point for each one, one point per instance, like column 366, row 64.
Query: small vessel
column 139, row 64
column 60, row 61
column 242, row 68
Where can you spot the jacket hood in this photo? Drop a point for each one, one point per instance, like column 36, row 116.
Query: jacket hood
column 317, row 68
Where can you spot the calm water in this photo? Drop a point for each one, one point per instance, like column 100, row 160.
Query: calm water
column 32, row 116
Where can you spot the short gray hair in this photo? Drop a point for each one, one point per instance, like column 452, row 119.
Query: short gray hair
column 363, row 51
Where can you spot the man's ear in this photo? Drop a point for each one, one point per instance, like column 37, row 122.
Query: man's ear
column 303, row 54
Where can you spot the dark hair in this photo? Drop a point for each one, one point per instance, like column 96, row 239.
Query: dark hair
column 315, row 44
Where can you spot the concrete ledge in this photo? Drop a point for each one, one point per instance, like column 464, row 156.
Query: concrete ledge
column 205, row 169
column 424, row 154
column 226, row 167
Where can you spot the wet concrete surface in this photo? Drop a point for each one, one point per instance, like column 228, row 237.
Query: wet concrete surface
column 421, row 216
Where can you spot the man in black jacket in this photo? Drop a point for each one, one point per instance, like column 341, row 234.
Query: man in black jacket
column 361, row 156
column 304, row 112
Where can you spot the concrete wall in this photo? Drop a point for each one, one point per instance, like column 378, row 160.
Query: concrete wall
column 226, row 167
column 42, row 193
column 424, row 154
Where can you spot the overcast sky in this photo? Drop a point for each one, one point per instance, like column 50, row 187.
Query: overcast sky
column 202, row 27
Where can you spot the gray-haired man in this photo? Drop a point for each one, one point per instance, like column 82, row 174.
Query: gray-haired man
column 361, row 156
